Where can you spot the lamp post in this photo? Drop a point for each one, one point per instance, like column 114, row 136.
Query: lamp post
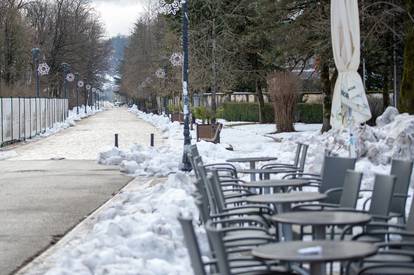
column 35, row 56
column 186, row 165
column 65, row 68
column 77, row 91
column 87, row 88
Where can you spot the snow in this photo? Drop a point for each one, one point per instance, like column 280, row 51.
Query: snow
column 90, row 137
column 140, row 233
column 70, row 121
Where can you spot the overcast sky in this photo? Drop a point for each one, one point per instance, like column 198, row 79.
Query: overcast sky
column 119, row 16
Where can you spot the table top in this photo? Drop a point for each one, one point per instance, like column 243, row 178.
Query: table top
column 331, row 251
column 267, row 171
column 277, row 183
column 322, row 218
column 290, row 197
column 251, row 159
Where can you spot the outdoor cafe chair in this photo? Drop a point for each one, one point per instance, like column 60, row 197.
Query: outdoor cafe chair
column 280, row 169
column 225, row 256
column 204, row 267
column 349, row 194
column 380, row 205
column 402, row 170
column 387, row 269
column 333, row 169
column 293, row 165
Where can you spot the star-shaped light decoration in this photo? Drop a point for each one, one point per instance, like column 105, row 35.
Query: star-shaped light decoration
column 43, row 69
column 177, row 59
column 70, row 77
column 160, row 73
column 170, row 6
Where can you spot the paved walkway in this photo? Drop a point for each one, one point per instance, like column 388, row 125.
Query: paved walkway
column 91, row 136
column 42, row 199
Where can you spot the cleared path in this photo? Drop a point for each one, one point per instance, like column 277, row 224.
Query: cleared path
column 91, row 136
column 42, row 199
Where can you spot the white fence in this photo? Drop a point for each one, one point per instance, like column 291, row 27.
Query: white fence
column 23, row 118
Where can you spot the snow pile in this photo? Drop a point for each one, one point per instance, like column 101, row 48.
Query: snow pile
column 138, row 234
column 7, row 154
column 163, row 123
column 142, row 160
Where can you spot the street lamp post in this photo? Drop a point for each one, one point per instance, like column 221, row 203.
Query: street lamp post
column 36, row 55
column 186, row 165
column 87, row 87
column 77, row 92
column 66, row 68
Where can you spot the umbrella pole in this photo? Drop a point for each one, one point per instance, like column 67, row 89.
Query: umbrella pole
column 352, row 144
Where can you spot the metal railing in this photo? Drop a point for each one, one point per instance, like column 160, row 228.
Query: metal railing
column 22, row 118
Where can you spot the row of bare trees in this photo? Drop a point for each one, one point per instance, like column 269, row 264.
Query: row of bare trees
column 235, row 45
column 66, row 31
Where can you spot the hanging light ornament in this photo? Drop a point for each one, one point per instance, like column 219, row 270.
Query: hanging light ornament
column 81, row 84
column 160, row 73
column 177, row 59
column 170, row 6
column 70, row 77
column 43, row 69
column 88, row 87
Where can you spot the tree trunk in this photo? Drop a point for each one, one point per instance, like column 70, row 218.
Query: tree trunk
column 327, row 95
column 214, row 84
column 385, row 91
column 260, row 99
column 407, row 86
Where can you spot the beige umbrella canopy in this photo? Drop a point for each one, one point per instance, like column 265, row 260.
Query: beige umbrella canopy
column 349, row 105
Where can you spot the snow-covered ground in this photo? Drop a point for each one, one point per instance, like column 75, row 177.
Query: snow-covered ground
column 89, row 137
column 71, row 120
column 139, row 234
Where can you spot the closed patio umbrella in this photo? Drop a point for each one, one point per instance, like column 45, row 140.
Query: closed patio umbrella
column 349, row 104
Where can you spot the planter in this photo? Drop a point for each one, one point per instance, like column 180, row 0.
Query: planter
column 177, row 117
column 209, row 132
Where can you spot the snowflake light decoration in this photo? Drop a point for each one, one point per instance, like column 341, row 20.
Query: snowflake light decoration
column 160, row 73
column 80, row 84
column 170, row 6
column 93, row 90
column 88, row 87
column 43, row 69
column 177, row 59
column 70, row 77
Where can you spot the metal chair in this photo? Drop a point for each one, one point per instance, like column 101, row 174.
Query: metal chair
column 224, row 256
column 295, row 163
column 402, row 170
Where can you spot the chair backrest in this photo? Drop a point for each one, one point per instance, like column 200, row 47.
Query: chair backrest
column 194, row 150
column 193, row 247
column 297, row 154
column 382, row 195
column 202, row 205
column 402, row 170
column 215, row 237
column 409, row 225
column 217, row 192
column 333, row 175
column 350, row 191
column 303, row 154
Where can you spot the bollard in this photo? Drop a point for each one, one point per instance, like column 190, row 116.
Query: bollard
column 152, row 140
column 116, row 141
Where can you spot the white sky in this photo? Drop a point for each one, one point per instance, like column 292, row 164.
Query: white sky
column 119, row 16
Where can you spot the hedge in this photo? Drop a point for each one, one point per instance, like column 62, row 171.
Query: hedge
column 243, row 111
column 309, row 113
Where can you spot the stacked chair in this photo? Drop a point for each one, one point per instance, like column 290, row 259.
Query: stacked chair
column 234, row 227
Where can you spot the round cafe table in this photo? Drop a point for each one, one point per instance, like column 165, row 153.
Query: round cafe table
column 331, row 251
column 283, row 204
column 252, row 161
column 276, row 184
column 319, row 220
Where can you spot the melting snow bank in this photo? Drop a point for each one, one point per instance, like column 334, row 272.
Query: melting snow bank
column 136, row 234
column 142, row 160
